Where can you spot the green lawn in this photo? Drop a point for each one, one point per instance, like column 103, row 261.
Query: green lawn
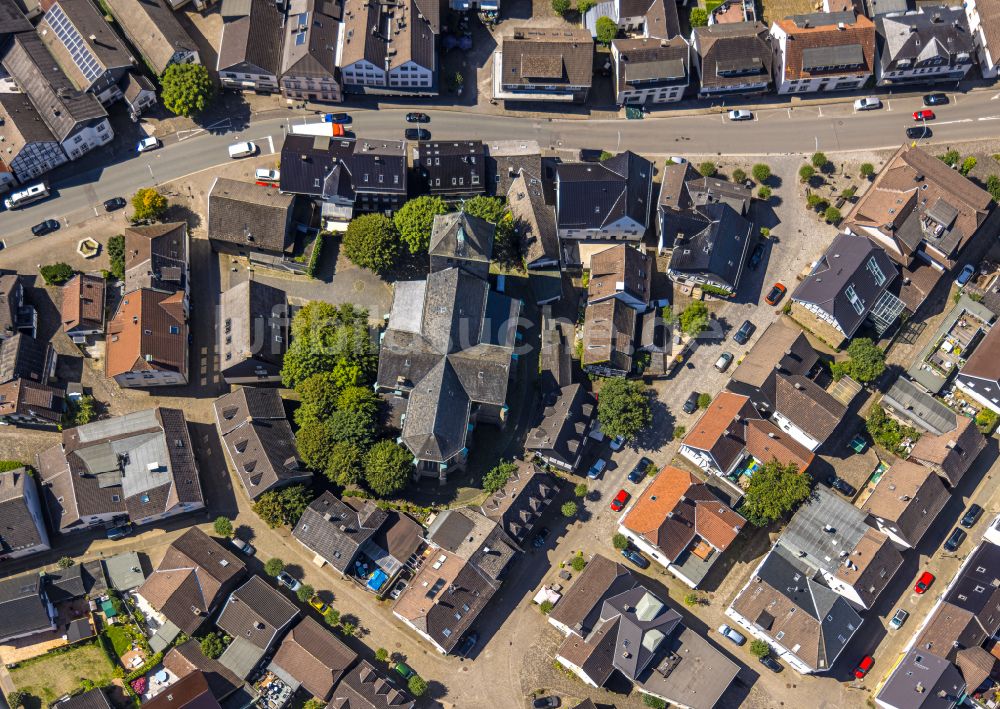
column 120, row 639
column 711, row 5
column 50, row 676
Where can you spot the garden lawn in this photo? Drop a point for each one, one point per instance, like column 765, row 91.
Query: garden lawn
column 711, row 5
column 51, row 676
column 120, row 639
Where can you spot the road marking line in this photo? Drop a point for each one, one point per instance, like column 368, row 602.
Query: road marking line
column 789, row 112
column 270, row 144
column 963, row 120
column 820, row 109
column 888, row 105
column 984, row 118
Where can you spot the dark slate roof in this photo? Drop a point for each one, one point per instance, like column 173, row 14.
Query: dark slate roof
column 580, row 607
column 93, row 699
column 919, row 681
column 647, row 62
column 977, row 587
column 24, row 357
column 77, row 581
column 311, row 57
column 336, row 531
column 534, row 220
column 12, row 20
column 18, row 528
column 451, row 168
column 258, row 439
column 60, row 104
column 518, row 505
column 254, row 39
column 87, row 37
column 844, row 265
column 319, row 166
column 250, row 215
column 22, row 610
column 254, row 315
column 449, row 351
column 560, row 429
column 595, row 195
column 719, row 249
column 458, row 235
column 474, row 537
column 934, row 33
column 644, row 622
column 257, row 612
column 732, row 53
column 549, row 56
column 366, row 687
column 807, row 405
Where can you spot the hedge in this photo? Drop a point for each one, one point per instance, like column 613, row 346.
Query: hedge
column 316, row 253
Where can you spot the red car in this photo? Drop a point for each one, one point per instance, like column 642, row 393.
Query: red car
column 866, row 664
column 621, row 499
column 925, row 114
column 776, row 293
column 924, row 582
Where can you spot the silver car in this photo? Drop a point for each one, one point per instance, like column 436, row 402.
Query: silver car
column 732, row 634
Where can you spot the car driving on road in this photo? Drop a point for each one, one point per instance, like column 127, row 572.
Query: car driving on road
column 924, row 114
column 918, row 132
column 336, row 118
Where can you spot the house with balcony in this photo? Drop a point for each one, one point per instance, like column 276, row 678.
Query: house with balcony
column 823, row 51
column 924, row 45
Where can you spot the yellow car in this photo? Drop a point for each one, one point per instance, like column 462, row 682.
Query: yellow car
column 317, row 603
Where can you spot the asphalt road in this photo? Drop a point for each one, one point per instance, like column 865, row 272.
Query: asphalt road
column 831, row 128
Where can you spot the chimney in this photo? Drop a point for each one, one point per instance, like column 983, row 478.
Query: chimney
column 920, row 687
column 952, row 444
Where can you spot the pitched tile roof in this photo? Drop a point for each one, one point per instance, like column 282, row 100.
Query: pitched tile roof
column 908, row 496
column 257, row 612
column 518, row 505
column 985, row 360
column 952, row 453
column 758, row 365
column 720, row 431
column 620, row 269
column 250, row 215
column 23, row 397
column 148, row 333
column 556, row 56
column 816, row 41
column 255, row 326
column 336, row 531
column 420, row 20
column 23, row 126
column 24, row 357
column 608, row 335
column 596, row 195
column 343, row 168
column 195, row 573
column 462, row 236
column 560, row 429
column 314, row 657
column 253, row 40
column 649, row 62
column 733, row 54
column 366, row 687
column 258, row 439
column 93, row 699
column 190, row 692
column 809, row 406
column 534, row 220
column 22, row 610
column 83, row 303
column 948, row 629
column 83, row 42
column 932, row 33
column 187, row 657
column 156, row 256
column 18, row 527
column 602, row 578
column 975, row 664
column 151, row 27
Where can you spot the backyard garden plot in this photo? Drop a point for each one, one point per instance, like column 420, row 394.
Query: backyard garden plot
column 780, row 9
column 44, row 679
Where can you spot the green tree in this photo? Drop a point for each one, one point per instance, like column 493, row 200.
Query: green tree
column 314, row 703
column 623, row 408
column 492, row 209
column 332, row 617
column 305, row 592
column 274, row 566
column 348, row 629
column 605, row 155
column 359, row 400
column 581, row 490
column 213, row 645
column 761, row 172
column 15, row 699
column 773, row 491
column 416, row 683
column 345, row 466
column 993, row 187
column 330, row 340
column 284, row 506
column 382, row 655
column 583, row 6
column 764, row 193
column 887, row 432
column 352, row 427
column 694, row 319
column 764, row 231
column 578, row 563
column 832, row 215
column 116, row 256
column 317, row 399
column 813, row 200
column 867, row 169
column 560, row 7
column 371, row 242
column 739, row 175
column 986, row 421
column 819, row 160
column 223, row 526
column 387, row 466
column 569, row 509
column 692, row 599
column 951, row 158
column 760, row 648
column 80, row 411
column 497, row 477
column 65, row 562
column 707, row 169
column 867, row 361
column 148, row 203
column 187, row 89
column 679, row 432
column 806, row 173
column 607, row 30
column 619, row 541
column 315, row 441
column 56, row 274
column 414, row 221
column 968, row 165
column 546, row 607
column 698, row 17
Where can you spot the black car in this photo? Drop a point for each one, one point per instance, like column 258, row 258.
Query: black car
column 49, row 225
column 636, row 558
column 114, row 203
column 639, row 471
column 971, row 516
column 417, row 118
column 935, row 100
column 757, row 256
column 540, row 538
column 841, row 486
column 745, row 332
column 955, row 540
column 691, row 405
column 468, row 644
column 547, row 703
column 771, row 664
column 417, row 134
column 917, row 132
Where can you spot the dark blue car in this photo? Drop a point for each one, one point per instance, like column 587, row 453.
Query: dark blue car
column 639, row 471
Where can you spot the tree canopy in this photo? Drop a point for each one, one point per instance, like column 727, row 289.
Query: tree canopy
column 865, row 362
column 148, row 203
column 330, row 339
column 187, row 89
column 315, row 441
column 353, row 427
column 213, row 645
column 317, row 397
column 345, row 464
column 623, row 408
column 773, row 491
column 607, row 30
column 223, row 526
column 887, row 432
column 414, row 221
column 761, row 172
column 55, row 274
column 387, row 466
column 496, row 478
column 116, row 256
column 371, row 241
column 698, row 17
column 284, row 506
column 694, row 319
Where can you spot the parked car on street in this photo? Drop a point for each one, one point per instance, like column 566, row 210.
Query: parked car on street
column 971, row 516
column 691, row 403
column 243, row 546
column 616, row 443
column 898, row 619
column 147, row 144
column 919, row 132
column 937, row 99
column 336, row 118
column 46, row 227
column 864, row 666
column 417, row 134
column 966, row 275
column 953, row 542
column 924, row 114
column 289, row 581
column 242, row 150
column 725, row 359
column 771, row 664
column 404, row 670
column 743, row 335
column 756, row 256
column 597, row 468
column 468, row 644
column 868, row 103
column 621, row 499
column 731, row 634
column 924, row 582
column 317, row 603
column 114, row 203
column 417, row 118
column 842, row 486
column 540, row 538
column 639, row 471
column 636, row 558
column 546, row 703
column 119, row 531
column 775, row 295
column 262, row 174
column 740, row 115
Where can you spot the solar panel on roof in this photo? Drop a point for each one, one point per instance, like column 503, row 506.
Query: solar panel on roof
column 300, row 39
column 303, row 19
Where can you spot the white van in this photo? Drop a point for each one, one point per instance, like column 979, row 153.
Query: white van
column 28, row 195
column 242, row 150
